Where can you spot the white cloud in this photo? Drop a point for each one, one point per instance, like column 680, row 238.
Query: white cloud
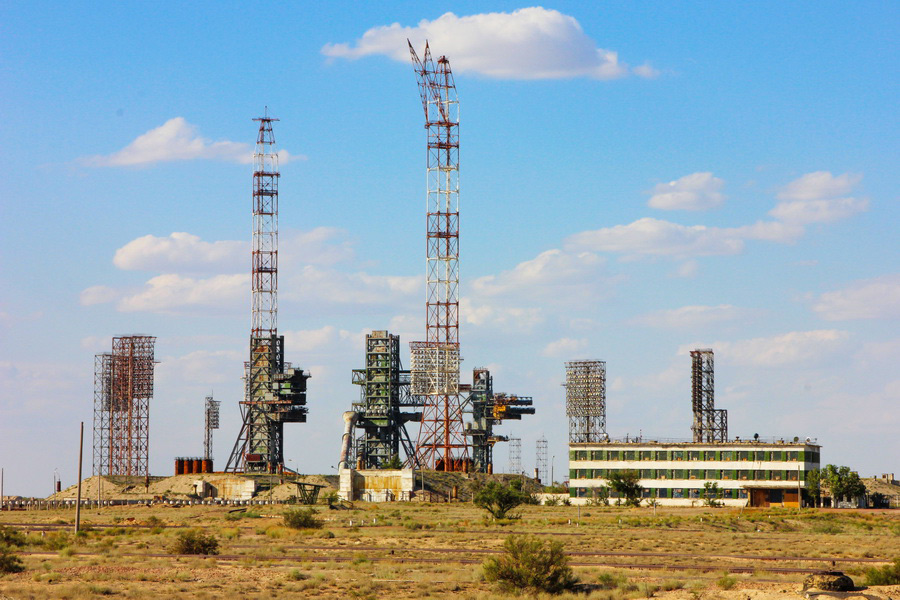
column 565, row 347
column 98, row 294
column 181, row 252
column 690, row 317
column 171, row 293
column 499, row 315
column 819, row 211
column 877, row 298
column 687, row 270
column 176, row 139
column 201, row 366
column 555, row 273
column 820, row 184
column 697, row 191
column 528, row 43
column 816, row 198
column 786, row 350
column 324, row 340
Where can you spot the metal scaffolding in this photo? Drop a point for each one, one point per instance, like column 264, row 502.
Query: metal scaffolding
column 441, row 443
column 586, row 400
column 384, row 393
column 275, row 393
column 540, row 462
column 489, row 409
column 709, row 424
column 211, row 421
column 515, row 456
column 123, row 388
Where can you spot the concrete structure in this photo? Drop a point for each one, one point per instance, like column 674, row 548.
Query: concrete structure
column 748, row 473
column 376, row 485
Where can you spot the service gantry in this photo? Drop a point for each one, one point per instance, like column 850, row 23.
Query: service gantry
column 385, row 406
column 441, row 443
column 274, row 392
column 123, row 388
column 489, row 409
column 709, row 424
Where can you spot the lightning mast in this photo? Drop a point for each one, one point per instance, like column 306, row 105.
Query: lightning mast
column 275, row 394
column 434, row 367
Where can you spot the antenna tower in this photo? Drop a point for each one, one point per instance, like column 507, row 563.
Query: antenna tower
column 275, row 394
column 541, row 461
column 434, row 367
column 211, row 422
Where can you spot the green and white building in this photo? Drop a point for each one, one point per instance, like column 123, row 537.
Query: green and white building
column 674, row 473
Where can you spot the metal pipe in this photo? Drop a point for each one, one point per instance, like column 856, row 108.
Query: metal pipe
column 350, row 418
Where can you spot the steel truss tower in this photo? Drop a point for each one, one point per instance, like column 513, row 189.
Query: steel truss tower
column 275, row 393
column 540, row 462
column 211, row 421
column 489, row 409
column 515, row 456
column 710, row 424
column 586, row 400
column 441, row 443
column 384, row 393
column 123, row 388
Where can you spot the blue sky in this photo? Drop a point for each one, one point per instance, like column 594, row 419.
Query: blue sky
column 636, row 181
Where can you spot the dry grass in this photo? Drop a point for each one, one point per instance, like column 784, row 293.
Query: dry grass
column 260, row 558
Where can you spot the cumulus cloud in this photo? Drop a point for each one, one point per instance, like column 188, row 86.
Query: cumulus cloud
column 691, row 317
column 556, row 273
column 786, row 350
column 176, row 139
column 697, row 191
column 528, row 43
column 565, row 348
column 182, row 252
column 174, row 293
column 817, row 198
column 877, row 298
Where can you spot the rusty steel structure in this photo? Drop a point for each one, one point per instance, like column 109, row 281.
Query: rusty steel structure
column 586, row 400
column 709, row 424
column 123, row 388
column 434, row 365
column 274, row 393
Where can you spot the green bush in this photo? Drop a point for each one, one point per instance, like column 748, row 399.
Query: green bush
column 499, row 499
column 886, row 575
column 529, row 563
column 302, row 518
column 194, row 541
column 9, row 562
column 726, row 581
column 10, row 536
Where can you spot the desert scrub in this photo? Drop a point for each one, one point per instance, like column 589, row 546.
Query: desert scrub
column 9, row 561
column 726, row 581
column 886, row 575
column 302, row 518
column 531, row 564
column 195, row 541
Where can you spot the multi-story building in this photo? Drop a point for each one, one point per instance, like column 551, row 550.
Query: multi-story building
column 746, row 472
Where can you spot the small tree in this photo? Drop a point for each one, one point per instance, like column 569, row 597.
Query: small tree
column 814, row 480
column 499, row 499
column 302, row 518
column 393, row 463
column 599, row 496
column 529, row 563
column 711, row 494
column 627, row 485
column 194, row 541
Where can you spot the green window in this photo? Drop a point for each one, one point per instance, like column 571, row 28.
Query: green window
column 713, row 474
column 630, row 455
column 573, row 473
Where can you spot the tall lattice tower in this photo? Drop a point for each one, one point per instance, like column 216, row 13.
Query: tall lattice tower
column 123, row 388
column 709, row 424
column 434, row 367
column 515, row 455
column 586, row 400
column 541, row 462
column 211, row 422
column 275, row 393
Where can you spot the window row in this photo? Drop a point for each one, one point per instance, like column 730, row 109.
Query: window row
column 691, row 493
column 728, row 455
column 732, row 474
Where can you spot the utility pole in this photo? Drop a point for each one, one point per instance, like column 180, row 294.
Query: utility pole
column 78, row 503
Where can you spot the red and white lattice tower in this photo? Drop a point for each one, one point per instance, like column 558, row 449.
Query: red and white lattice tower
column 434, row 367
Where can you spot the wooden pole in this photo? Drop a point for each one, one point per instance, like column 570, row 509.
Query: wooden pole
column 78, row 504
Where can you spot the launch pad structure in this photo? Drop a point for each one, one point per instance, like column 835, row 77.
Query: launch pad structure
column 274, row 392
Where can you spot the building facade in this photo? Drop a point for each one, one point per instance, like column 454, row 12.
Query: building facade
column 746, row 473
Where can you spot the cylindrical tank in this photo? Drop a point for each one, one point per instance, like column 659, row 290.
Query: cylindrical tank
column 207, row 465
column 490, row 468
column 349, row 421
column 197, row 466
column 179, row 466
column 58, row 486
